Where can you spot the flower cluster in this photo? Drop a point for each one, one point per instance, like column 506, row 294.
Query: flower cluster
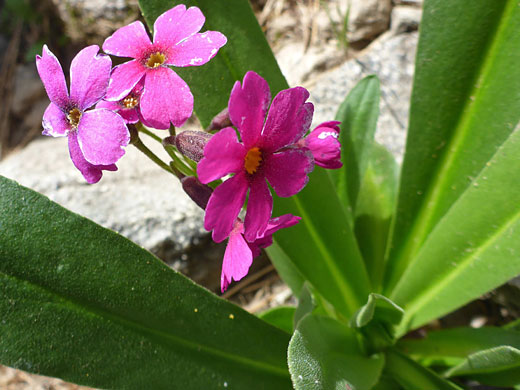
column 144, row 89
column 254, row 145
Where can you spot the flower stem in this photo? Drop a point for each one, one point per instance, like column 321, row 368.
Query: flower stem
column 181, row 165
column 151, row 155
column 144, row 130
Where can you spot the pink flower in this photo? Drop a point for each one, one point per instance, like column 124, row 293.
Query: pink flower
column 263, row 156
column 239, row 253
column 128, row 107
column 96, row 137
column 166, row 97
column 324, row 145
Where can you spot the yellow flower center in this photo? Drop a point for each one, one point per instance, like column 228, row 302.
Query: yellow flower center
column 252, row 160
column 130, row 102
column 74, row 116
column 156, row 59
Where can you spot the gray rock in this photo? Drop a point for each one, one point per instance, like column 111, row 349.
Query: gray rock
column 391, row 58
column 298, row 64
column 368, row 18
column 405, row 19
column 94, row 20
column 140, row 201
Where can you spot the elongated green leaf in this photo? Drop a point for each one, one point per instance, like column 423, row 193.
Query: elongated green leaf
column 322, row 246
column 358, row 115
column 281, row 317
column 464, row 105
column 412, row 376
column 475, row 247
column 83, row 303
column 325, row 355
column 306, row 304
column 246, row 49
column 386, row 382
column 499, row 366
column 374, row 211
column 286, row 268
column 459, row 342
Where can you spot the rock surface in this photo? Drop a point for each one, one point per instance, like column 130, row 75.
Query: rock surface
column 140, row 201
column 391, row 58
column 405, row 19
column 94, row 20
column 368, row 18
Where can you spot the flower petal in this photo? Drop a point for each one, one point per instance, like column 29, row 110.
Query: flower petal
column 248, row 105
column 238, row 258
column 130, row 115
column 177, row 24
column 275, row 224
column 112, row 106
column 102, row 134
column 222, row 155
column 288, row 120
column 166, row 98
column 197, row 49
column 89, row 75
column 55, row 122
column 91, row 173
column 224, row 205
column 259, row 209
column 287, row 171
column 128, row 41
column 281, row 222
column 123, row 79
column 53, row 79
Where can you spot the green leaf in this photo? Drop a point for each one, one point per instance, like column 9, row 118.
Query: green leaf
column 473, row 249
column 286, row 268
column 464, row 105
column 358, row 115
column 411, row 375
column 379, row 309
column 459, row 342
column 246, row 49
column 306, row 304
column 281, row 317
column 83, row 303
column 322, row 246
column 376, row 321
column 498, row 366
column 324, row 355
column 374, row 211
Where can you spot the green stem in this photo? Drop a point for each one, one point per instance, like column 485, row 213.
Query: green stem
column 144, row 130
column 151, row 155
column 178, row 163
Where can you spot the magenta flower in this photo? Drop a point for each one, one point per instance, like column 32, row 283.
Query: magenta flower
column 324, row 145
column 128, row 107
column 166, row 97
column 239, row 253
column 96, row 137
column 264, row 155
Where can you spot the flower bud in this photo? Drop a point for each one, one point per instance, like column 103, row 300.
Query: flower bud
column 324, row 145
column 191, row 143
column 220, row 120
column 197, row 191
